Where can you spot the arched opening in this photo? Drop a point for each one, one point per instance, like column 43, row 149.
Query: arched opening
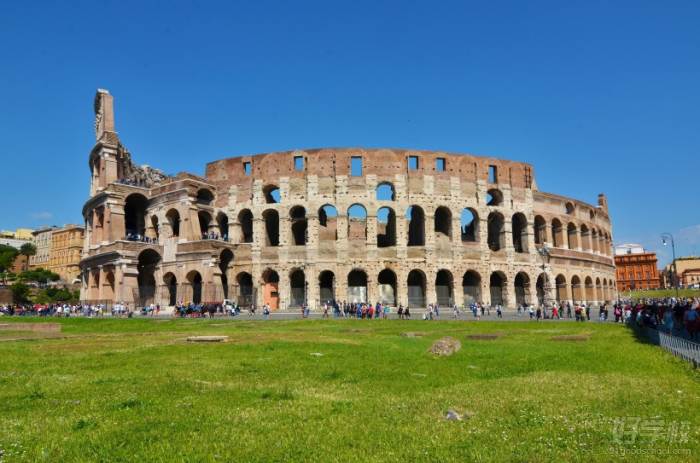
column 204, row 224
column 171, row 287
column 572, row 233
column 521, row 285
column 272, row 194
column 519, row 231
column 497, row 287
column 471, row 287
column 569, row 208
column 271, row 295
column 297, row 215
column 443, row 288
column 594, row 240
column 494, row 197
column 540, row 230
column 297, row 284
column 326, row 286
column 205, row 196
column 135, row 216
column 562, row 290
column 416, row 226
column 385, row 192
column 469, row 224
column 599, row 290
column 590, row 290
column 328, row 223
column 147, row 262
column 540, row 288
column 108, row 289
column 585, row 238
column 386, row 227
column 576, row 290
column 225, row 259
column 245, row 219
column 173, row 217
column 387, row 287
column 557, row 233
column 245, row 289
column 222, row 223
column 154, row 227
column 416, row 288
column 443, row 223
column 357, row 223
column 272, row 227
column 497, row 231
column 357, row 286
column 194, row 278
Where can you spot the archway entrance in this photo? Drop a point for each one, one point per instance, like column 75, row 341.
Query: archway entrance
column 224, row 260
column 271, row 295
column 326, row 286
column 522, row 288
column 497, row 287
column 387, row 287
column 357, row 286
column 471, row 287
column 297, row 285
column 171, row 288
column 443, row 288
column 148, row 260
column 416, row 289
column 245, row 289
column 194, row 278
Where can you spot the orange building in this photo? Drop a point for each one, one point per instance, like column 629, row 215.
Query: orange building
column 636, row 268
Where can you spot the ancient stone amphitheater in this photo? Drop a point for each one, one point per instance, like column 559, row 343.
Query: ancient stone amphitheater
column 374, row 225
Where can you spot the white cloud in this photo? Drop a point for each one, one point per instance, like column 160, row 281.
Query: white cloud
column 41, row 215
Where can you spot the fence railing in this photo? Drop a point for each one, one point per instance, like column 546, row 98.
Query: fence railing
column 680, row 347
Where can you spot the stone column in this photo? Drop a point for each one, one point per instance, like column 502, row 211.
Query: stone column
column 371, row 230
column 430, row 293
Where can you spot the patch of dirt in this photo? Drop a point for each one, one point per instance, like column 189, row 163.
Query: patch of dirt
column 571, row 337
column 445, row 346
column 413, row 334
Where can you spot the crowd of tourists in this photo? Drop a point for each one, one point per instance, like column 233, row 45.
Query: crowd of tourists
column 680, row 317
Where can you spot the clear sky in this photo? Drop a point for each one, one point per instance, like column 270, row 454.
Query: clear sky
column 599, row 96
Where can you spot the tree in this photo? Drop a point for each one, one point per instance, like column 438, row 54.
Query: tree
column 39, row 275
column 20, row 292
column 7, row 257
column 27, row 249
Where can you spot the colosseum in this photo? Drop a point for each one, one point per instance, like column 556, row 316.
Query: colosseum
column 395, row 226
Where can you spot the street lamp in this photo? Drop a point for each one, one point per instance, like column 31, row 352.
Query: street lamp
column 665, row 238
column 544, row 253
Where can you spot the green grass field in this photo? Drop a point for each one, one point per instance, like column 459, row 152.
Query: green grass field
column 660, row 293
column 133, row 390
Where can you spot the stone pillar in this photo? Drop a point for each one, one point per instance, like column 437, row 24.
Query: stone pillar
column 312, row 229
column 234, row 232
column 371, row 230
column 284, row 288
column 430, row 293
column 259, row 234
column 401, row 288
column 313, row 295
column 117, row 223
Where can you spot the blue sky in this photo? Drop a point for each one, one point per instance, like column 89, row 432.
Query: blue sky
column 599, row 96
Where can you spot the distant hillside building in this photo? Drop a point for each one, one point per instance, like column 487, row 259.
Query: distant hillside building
column 636, row 268
column 64, row 254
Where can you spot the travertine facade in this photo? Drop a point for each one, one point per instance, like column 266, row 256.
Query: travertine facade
column 65, row 252
column 42, row 241
column 399, row 226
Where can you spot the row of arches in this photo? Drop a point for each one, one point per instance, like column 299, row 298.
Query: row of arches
column 572, row 236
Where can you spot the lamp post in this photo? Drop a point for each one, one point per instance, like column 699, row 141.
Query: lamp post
column 545, row 255
column 665, row 238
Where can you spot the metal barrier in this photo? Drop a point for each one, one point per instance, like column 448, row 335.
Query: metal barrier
column 683, row 348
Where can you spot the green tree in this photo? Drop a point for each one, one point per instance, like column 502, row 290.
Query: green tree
column 20, row 292
column 7, row 257
column 39, row 275
column 28, row 250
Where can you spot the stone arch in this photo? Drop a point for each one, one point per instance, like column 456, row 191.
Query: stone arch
column 599, row 290
column 173, row 217
column 148, row 261
column 327, row 223
column 222, row 224
column 194, row 278
column 299, row 225
column 387, row 287
column 519, row 231
column 469, row 224
column 245, row 220
column 416, row 226
column 244, row 280
column 569, row 208
column 204, row 196
column 270, row 288
column 357, row 286
column 297, row 287
column 272, row 227
column 204, row 223
column 326, row 286
column 135, row 207
column 572, row 235
column 594, row 240
column 271, row 194
column 385, row 192
column 170, row 282
column 443, row 222
column 155, row 227
column 444, row 287
column 415, row 283
column 521, row 285
column 357, row 222
column 540, row 288
column 498, row 288
column 108, row 288
column 540, row 230
column 386, row 227
column 494, row 197
column 471, row 287
column 497, row 231
column 562, row 289
column 557, row 233
column 590, row 289
column 576, row 289
column 225, row 259
column 585, row 238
